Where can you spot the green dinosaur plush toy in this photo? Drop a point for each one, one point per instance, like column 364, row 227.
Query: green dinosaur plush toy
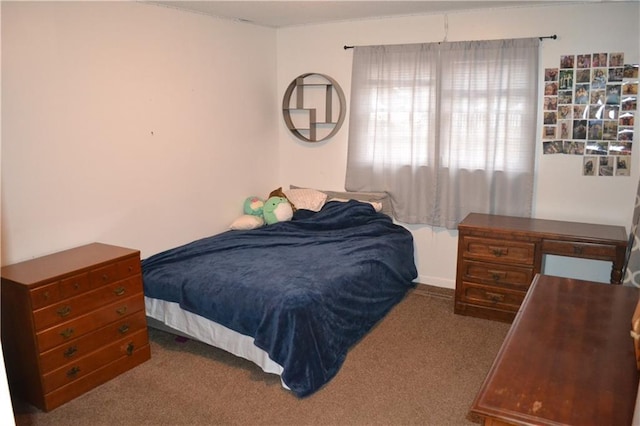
column 277, row 209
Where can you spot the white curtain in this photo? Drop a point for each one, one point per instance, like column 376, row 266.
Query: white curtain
column 445, row 128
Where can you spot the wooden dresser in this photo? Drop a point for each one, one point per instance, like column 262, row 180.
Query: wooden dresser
column 498, row 256
column 72, row 321
column 568, row 358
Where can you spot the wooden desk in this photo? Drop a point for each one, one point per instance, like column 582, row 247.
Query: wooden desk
column 498, row 256
column 568, row 358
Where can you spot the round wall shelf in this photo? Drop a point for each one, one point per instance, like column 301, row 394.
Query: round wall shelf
column 310, row 114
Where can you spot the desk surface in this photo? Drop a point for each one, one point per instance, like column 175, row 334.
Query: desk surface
column 567, row 359
column 574, row 231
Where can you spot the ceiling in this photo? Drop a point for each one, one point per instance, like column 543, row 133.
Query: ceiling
column 278, row 14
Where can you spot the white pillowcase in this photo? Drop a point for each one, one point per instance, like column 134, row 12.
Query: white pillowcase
column 247, row 221
column 306, row 198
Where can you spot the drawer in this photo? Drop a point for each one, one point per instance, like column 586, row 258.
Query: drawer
column 45, row 295
column 115, row 271
column 77, row 348
column 497, row 274
column 75, row 285
column 502, row 251
column 67, row 331
column 60, row 290
column 95, row 378
column 105, row 275
column 492, row 296
column 584, row 250
column 93, row 361
column 86, row 302
column 129, row 267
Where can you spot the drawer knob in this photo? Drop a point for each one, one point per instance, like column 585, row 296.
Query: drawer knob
column 64, row 311
column 499, row 251
column 123, row 328
column 122, row 310
column 71, row 351
column 73, row 372
column 577, row 249
column 119, row 291
column 495, row 297
column 130, row 349
column 67, row 332
column 497, row 275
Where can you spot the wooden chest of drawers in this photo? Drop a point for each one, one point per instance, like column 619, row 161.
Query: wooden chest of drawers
column 498, row 256
column 72, row 321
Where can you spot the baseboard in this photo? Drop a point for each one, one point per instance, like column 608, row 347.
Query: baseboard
column 434, row 291
column 436, row 281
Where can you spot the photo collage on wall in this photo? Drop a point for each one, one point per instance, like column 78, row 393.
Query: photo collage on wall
column 590, row 104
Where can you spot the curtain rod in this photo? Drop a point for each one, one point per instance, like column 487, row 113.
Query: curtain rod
column 553, row 37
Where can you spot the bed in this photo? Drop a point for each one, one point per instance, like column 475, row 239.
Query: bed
column 293, row 296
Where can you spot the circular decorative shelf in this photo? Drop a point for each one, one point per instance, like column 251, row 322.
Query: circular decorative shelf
column 314, row 99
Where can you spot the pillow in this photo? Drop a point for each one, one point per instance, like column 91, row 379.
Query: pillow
column 247, row 221
column 307, row 198
column 377, row 205
column 381, row 197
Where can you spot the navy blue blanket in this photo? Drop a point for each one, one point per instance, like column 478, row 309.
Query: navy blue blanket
column 306, row 290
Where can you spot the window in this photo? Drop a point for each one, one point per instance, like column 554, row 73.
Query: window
column 445, row 128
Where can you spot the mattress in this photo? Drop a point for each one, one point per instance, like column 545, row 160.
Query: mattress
column 168, row 316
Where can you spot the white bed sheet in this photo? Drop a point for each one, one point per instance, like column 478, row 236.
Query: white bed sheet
column 210, row 332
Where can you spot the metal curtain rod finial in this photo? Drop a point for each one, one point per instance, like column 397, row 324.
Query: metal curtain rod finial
column 347, row 47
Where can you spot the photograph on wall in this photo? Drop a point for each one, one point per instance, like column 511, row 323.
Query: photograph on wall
column 597, row 148
column 567, row 61
column 629, row 103
column 599, row 60
column 589, row 106
column 588, row 165
column 627, row 118
column 620, row 148
column 573, row 148
column 565, row 129
column 548, row 132
column 553, row 147
column 630, row 71
column 621, row 166
column 605, row 166
column 630, row 88
column 565, row 80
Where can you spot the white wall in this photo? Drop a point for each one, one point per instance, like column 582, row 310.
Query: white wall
column 561, row 192
column 130, row 124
